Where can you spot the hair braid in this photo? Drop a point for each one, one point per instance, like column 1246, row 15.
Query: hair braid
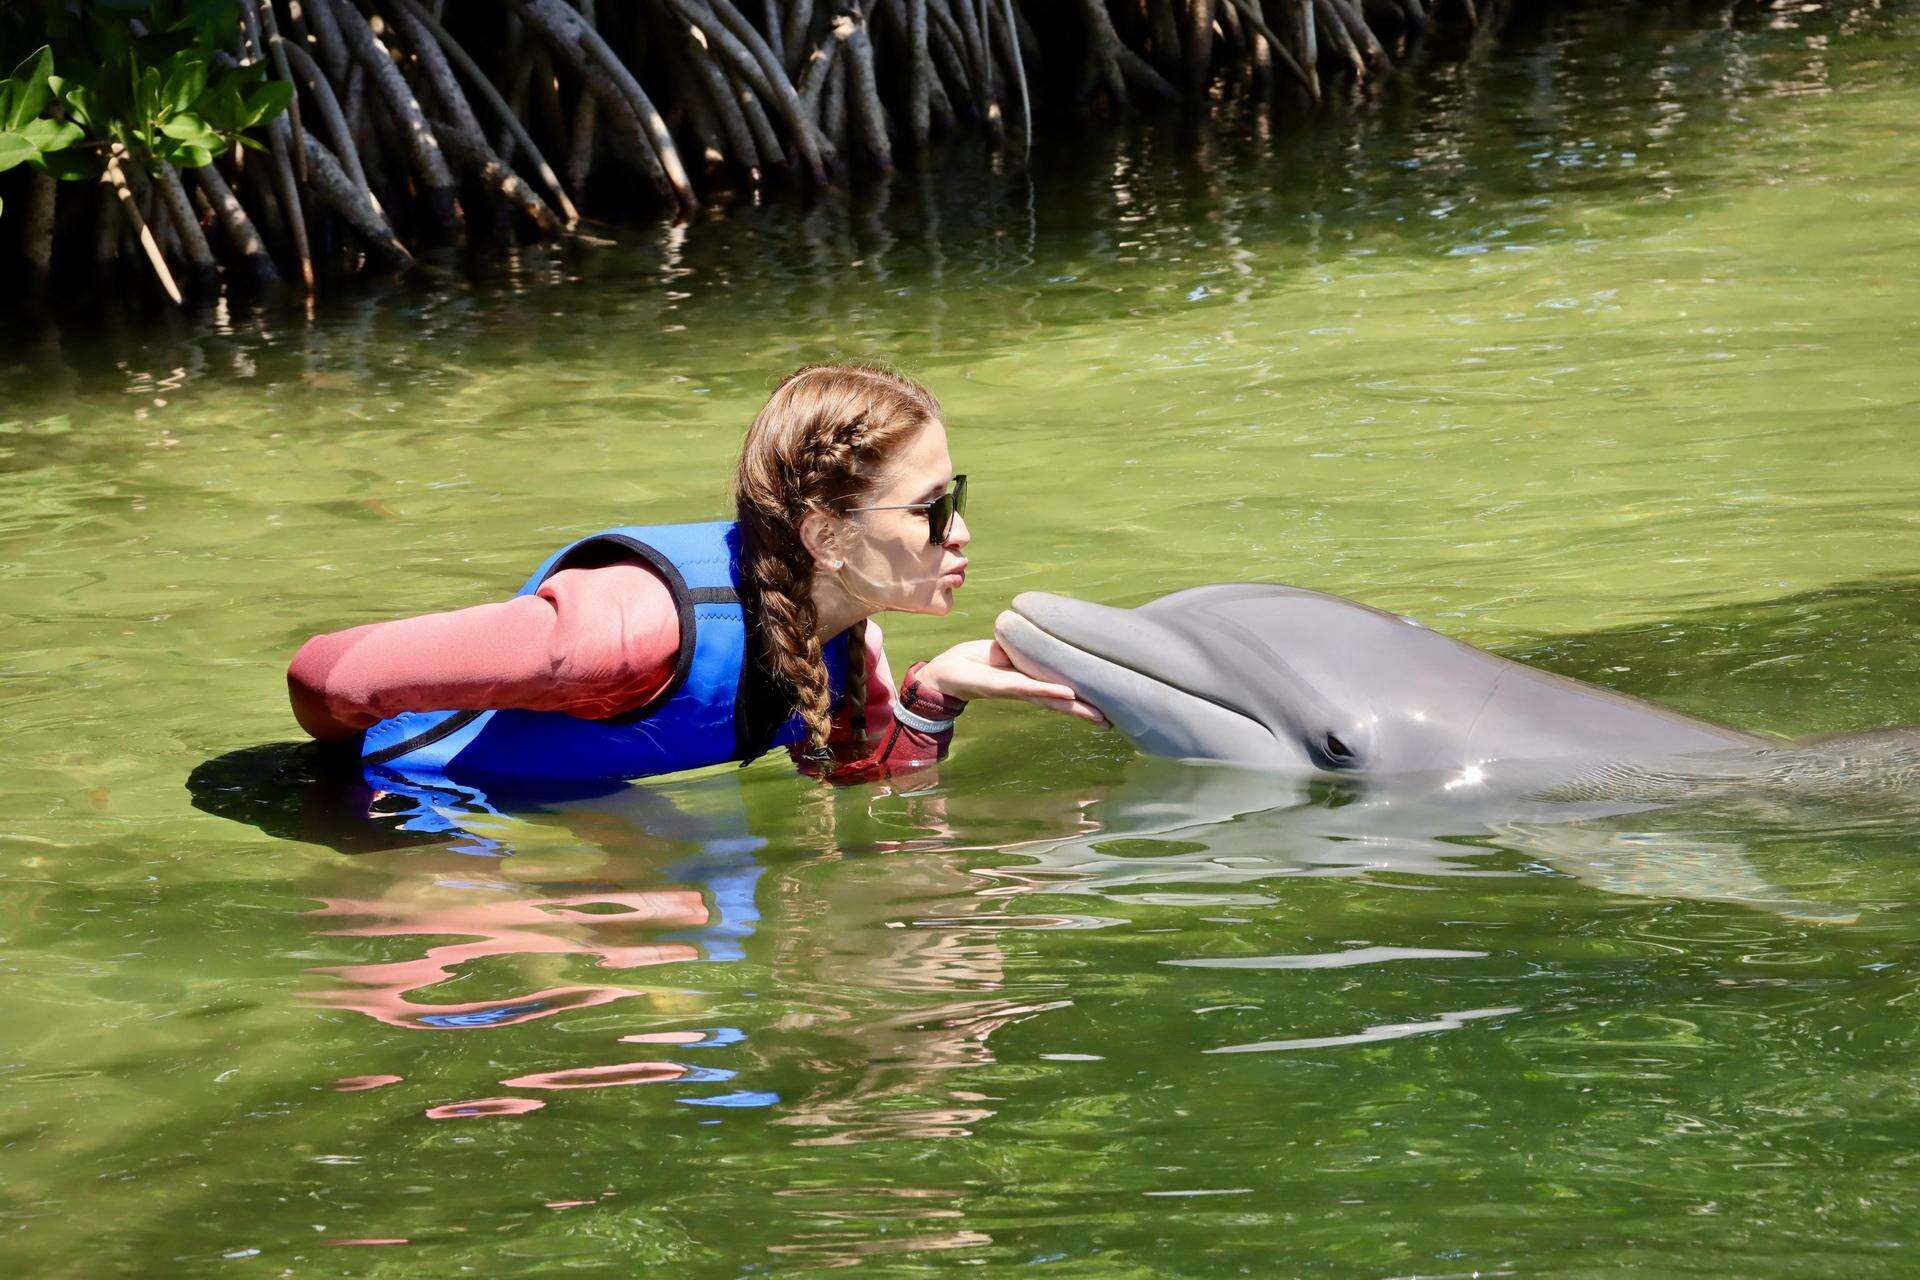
column 812, row 448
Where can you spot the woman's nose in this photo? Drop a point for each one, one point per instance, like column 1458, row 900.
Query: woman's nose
column 958, row 535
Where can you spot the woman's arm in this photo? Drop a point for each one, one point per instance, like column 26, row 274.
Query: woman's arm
column 894, row 743
column 590, row 642
column 916, row 730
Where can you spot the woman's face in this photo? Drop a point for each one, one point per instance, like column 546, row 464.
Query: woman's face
column 890, row 563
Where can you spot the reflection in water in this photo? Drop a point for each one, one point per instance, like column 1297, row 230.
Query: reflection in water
column 918, row 996
column 840, row 1220
column 1210, row 825
column 708, row 916
column 1331, row 960
column 1372, row 1035
column 484, row 1107
column 524, row 926
column 694, row 837
column 619, row 1073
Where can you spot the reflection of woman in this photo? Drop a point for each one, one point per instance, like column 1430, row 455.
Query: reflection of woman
column 650, row 649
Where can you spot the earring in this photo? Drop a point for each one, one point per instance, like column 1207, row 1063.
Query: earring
column 837, row 563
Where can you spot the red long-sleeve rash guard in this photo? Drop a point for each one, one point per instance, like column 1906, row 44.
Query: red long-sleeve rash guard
column 591, row 642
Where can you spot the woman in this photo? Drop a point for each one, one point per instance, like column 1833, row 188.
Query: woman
column 651, row 649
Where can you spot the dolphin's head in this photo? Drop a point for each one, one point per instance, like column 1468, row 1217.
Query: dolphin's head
column 1271, row 676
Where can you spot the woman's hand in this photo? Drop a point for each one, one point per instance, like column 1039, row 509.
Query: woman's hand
column 981, row 669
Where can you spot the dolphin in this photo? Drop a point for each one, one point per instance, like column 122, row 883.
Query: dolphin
column 1313, row 685
column 1429, row 738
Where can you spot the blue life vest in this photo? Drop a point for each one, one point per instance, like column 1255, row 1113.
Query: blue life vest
column 719, row 704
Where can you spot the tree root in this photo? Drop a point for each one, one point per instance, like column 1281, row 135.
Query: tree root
column 919, row 72
column 1007, row 36
column 699, row 115
column 1167, row 56
column 947, row 46
column 281, row 169
column 332, row 46
column 130, row 209
column 1250, row 12
column 519, row 80
column 1304, row 29
column 725, row 105
column 588, row 56
column 509, row 118
column 973, row 45
column 429, row 162
column 332, row 117
column 277, row 56
column 1341, row 39
column 863, row 96
column 580, row 137
column 1102, row 68
column 1361, row 34
column 241, row 234
column 813, row 76
column 338, row 192
column 204, row 280
column 799, row 33
column 392, row 115
column 833, row 105
column 1198, row 47
column 733, row 40
column 36, row 241
column 461, row 133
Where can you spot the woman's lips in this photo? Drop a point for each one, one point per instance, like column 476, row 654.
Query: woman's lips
column 957, row 576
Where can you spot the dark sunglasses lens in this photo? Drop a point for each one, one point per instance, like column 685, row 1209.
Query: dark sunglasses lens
column 945, row 507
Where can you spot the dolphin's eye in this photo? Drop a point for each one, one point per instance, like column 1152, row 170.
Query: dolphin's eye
column 1338, row 752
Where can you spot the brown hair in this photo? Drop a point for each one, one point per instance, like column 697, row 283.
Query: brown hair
column 815, row 446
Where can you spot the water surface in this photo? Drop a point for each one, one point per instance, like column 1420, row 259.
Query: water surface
column 1592, row 345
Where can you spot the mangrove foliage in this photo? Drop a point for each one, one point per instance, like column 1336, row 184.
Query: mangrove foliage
column 202, row 145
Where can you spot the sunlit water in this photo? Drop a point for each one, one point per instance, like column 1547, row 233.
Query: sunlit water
column 1596, row 347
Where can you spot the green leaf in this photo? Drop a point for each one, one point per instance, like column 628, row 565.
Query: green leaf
column 190, row 157
column 30, row 91
column 52, row 135
column 249, row 143
column 147, row 93
column 84, row 108
column 191, row 130
column 268, row 101
column 186, row 79
column 15, row 149
column 222, row 107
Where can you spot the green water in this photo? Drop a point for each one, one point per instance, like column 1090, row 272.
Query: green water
column 1595, row 347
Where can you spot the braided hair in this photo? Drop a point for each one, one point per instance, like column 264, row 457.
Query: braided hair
column 815, row 447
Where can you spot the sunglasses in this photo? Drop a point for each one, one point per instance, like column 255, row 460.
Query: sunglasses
column 940, row 512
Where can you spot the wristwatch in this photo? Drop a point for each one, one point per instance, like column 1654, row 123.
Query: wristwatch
column 922, row 709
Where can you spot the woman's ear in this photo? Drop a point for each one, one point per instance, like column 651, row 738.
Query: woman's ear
column 819, row 536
